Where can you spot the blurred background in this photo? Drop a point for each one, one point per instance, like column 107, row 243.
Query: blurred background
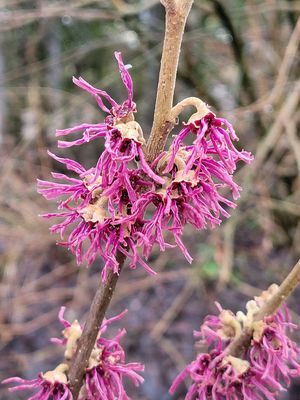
column 241, row 57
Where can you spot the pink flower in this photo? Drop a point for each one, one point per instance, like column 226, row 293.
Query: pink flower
column 96, row 212
column 212, row 154
column 191, row 193
column 123, row 203
column 273, row 355
column 104, row 376
column 263, row 368
column 107, row 368
column 116, row 112
column 123, row 135
column 51, row 386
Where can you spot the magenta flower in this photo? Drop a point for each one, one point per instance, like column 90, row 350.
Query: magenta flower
column 107, row 367
column 261, row 371
column 123, row 135
column 273, row 355
column 51, row 386
column 198, row 173
column 212, row 155
column 116, row 112
column 125, row 205
column 104, row 375
column 96, row 213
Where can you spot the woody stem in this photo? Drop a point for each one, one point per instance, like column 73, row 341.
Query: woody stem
column 94, row 320
column 240, row 344
column 176, row 15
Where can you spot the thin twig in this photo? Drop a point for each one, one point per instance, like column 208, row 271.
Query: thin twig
column 291, row 131
column 286, row 64
column 279, row 297
column 18, row 19
column 94, row 320
column 200, row 106
column 283, row 76
column 237, row 347
column 176, row 15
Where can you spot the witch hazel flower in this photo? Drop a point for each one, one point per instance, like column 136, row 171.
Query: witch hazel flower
column 116, row 112
column 106, row 368
column 195, row 176
column 51, row 385
column 247, row 358
column 94, row 213
column 191, row 194
column 104, row 375
column 212, row 137
column 123, row 135
column 212, row 153
column 95, row 202
column 123, row 203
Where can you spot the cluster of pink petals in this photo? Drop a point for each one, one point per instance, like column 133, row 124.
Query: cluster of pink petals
column 106, row 379
column 275, row 358
column 261, row 372
column 123, row 203
column 195, row 174
column 103, row 377
column 47, row 390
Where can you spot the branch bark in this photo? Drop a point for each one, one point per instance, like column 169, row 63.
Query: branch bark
column 176, row 15
column 94, row 320
column 285, row 289
column 238, row 346
column 201, row 108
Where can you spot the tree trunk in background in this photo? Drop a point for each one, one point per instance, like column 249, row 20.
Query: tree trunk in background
column 54, row 76
column 2, row 91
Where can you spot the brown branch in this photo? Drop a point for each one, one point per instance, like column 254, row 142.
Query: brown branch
column 238, row 346
column 201, row 109
column 176, row 15
column 94, row 320
column 285, row 289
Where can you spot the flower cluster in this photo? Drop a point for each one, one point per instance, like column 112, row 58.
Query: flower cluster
column 126, row 204
column 265, row 362
column 50, row 385
column 103, row 376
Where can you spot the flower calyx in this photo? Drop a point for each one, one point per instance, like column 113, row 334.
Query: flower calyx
column 201, row 107
column 239, row 365
column 179, row 160
column 230, row 326
column 96, row 211
column 92, row 185
column 57, row 375
column 131, row 130
column 72, row 335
